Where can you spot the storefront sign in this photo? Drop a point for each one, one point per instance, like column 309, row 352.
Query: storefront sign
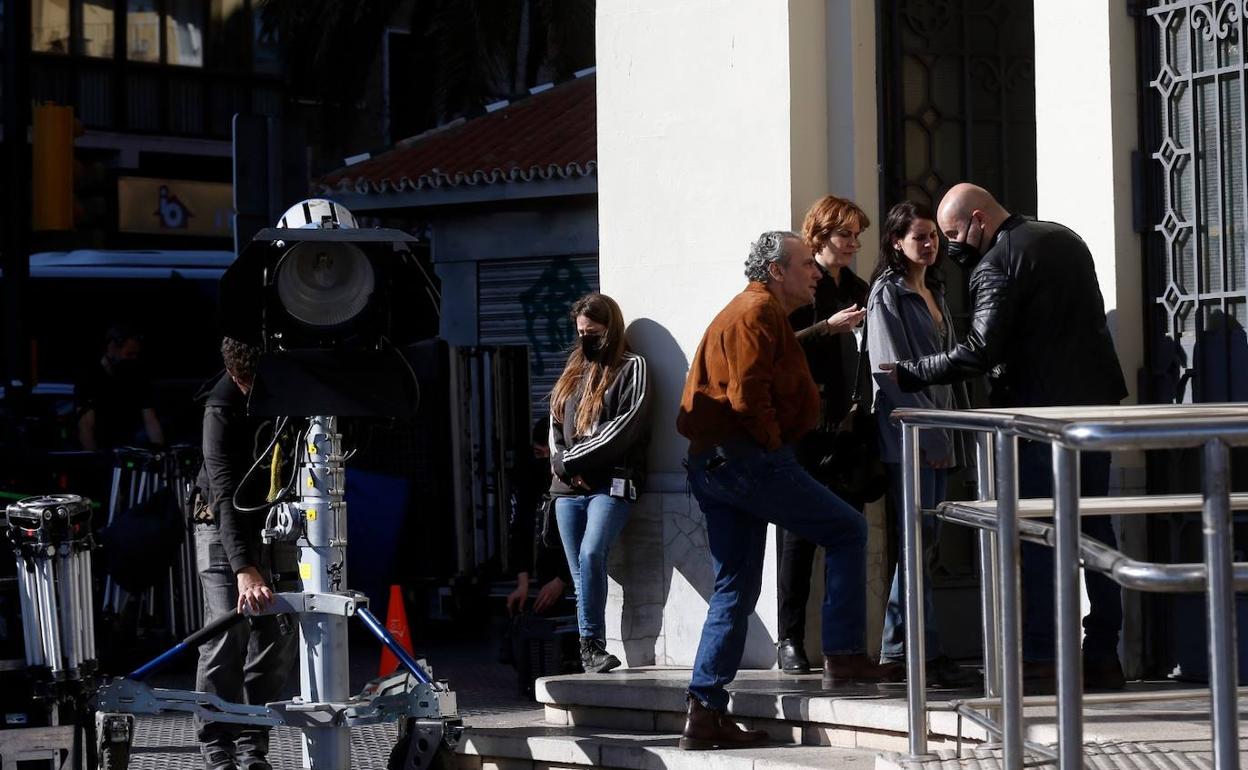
column 174, row 207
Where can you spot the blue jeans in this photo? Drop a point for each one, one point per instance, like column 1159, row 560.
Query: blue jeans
column 1104, row 620
column 739, row 496
column 893, row 641
column 588, row 525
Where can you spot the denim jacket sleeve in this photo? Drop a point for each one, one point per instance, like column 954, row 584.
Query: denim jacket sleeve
column 888, row 341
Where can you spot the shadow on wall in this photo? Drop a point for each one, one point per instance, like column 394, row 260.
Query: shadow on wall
column 1211, row 369
column 662, row 562
column 639, row 561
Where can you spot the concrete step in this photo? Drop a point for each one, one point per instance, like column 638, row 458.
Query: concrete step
column 792, row 709
column 528, row 743
column 796, row 710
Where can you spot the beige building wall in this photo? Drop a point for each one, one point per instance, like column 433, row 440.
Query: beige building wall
column 1086, row 129
column 715, row 123
column 1085, row 135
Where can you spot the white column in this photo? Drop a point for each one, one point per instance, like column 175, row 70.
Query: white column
column 713, row 126
column 1086, row 129
column 853, row 125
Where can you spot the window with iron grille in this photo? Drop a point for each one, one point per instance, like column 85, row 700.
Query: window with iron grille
column 1194, row 130
column 957, row 104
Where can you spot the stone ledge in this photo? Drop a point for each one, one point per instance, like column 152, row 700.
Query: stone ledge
column 540, row 747
column 621, row 699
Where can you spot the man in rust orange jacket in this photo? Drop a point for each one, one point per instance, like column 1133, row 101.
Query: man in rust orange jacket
column 748, row 398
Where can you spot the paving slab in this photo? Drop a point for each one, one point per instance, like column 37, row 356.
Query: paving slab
column 1114, row 755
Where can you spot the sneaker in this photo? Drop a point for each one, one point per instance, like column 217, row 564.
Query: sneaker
column 594, row 656
column 791, row 658
column 217, row 756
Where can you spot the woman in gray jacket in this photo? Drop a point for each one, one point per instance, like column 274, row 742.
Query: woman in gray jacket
column 907, row 318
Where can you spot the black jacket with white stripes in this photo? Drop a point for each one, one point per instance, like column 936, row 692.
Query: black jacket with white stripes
column 618, row 441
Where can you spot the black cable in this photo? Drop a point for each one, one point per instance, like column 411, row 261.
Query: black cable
column 277, row 434
column 407, row 365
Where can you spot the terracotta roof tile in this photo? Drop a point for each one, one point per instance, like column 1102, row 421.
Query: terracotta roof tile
column 548, row 135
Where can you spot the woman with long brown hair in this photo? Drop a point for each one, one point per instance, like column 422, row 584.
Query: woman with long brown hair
column 907, row 318
column 598, row 435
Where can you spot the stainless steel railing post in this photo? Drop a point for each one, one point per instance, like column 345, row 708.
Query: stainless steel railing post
column 1011, row 615
column 912, row 532
column 1069, row 629
column 1223, row 676
column 989, row 611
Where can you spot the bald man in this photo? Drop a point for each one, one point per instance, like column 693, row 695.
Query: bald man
column 1038, row 331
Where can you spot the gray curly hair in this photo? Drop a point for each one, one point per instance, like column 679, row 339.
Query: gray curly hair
column 767, row 249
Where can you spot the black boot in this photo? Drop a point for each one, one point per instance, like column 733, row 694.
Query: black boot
column 791, row 658
column 594, row 656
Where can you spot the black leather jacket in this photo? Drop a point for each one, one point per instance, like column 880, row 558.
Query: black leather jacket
column 1038, row 328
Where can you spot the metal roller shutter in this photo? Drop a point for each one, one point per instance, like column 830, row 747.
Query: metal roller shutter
column 526, row 302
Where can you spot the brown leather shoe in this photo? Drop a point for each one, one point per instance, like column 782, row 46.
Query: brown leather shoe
column 839, row 670
column 710, row 729
column 1039, row 677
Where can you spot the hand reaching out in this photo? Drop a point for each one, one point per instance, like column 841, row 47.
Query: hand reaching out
column 845, row 320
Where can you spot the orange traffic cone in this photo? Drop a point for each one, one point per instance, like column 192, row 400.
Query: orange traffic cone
column 396, row 624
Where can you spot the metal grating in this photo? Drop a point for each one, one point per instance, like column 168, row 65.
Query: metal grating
column 168, row 743
column 1116, row 755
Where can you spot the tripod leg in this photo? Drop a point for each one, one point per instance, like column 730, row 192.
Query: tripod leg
column 213, row 629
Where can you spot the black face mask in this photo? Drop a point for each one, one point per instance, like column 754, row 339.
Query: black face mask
column 591, row 347
column 963, row 253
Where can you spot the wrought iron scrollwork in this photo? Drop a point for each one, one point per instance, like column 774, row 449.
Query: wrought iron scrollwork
column 1198, row 262
column 927, row 18
column 1216, row 19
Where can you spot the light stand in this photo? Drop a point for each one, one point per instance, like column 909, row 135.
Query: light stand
column 330, row 307
column 323, row 656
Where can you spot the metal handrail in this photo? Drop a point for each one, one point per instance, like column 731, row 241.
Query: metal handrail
column 1098, row 428
column 1125, row 505
column 1129, row 573
column 1004, row 521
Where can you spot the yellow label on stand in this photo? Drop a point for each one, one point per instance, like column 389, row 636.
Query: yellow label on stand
column 311, row 514
column 305, row 570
